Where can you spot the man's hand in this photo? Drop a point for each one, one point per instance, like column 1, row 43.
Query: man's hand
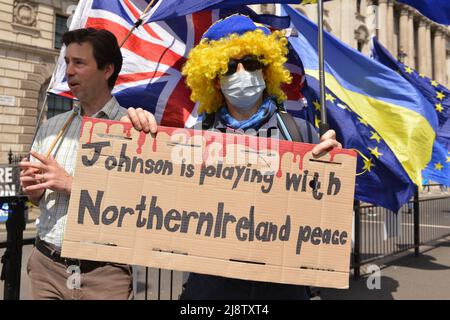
column 27, row 179
column 327, row 143
column 142, row 120
column 37, row 177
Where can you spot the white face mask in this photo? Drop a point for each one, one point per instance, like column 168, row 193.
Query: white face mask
column 243, row 89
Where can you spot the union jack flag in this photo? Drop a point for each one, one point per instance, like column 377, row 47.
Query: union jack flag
column 153, row 57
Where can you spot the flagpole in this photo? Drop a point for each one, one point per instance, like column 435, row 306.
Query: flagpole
column 137, row 23
column 40, row 114
column 324, row 126
column 38, row 125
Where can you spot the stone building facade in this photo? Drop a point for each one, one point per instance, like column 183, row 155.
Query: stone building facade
column 30, row 32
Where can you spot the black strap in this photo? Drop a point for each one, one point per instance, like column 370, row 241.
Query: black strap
column 310, row 138
column 289, row 124
column 208, row 121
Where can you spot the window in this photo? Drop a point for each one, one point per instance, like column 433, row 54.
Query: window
column 57, row 105
column 60, row 28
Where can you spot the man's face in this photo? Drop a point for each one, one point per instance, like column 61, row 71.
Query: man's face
column 84, row 78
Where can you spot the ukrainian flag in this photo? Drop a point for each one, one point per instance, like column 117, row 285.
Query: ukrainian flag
column 438, row 168
column 374, row 110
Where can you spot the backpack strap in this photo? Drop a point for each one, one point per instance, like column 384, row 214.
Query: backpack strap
column 287, row 125
column 208, row 121
column 309, row 132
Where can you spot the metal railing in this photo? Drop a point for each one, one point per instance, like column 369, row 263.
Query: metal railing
column 15, row 158
column 380, row 233
column 159, row 284
column 435, row 219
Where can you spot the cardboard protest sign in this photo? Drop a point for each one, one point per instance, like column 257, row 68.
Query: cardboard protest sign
column 233, row 205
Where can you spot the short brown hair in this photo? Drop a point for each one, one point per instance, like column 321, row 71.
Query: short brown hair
column 106, row 48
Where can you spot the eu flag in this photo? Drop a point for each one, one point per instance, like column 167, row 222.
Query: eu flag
column 437, row 10
column 372, row 109
column 438, row 168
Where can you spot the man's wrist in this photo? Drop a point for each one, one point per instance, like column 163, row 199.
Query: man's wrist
column 36, row 199
column 68, row 188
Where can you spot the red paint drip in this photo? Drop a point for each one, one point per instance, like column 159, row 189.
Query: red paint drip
column 332, row 154
column 154, row 145
column 283, row 146
column 279, row 173
column 127, row 131
column 210, row 139
column 297, row 151
column 223, row 152
column 141, row 141
column 91, row 131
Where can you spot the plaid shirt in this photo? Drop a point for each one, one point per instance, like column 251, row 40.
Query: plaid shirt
column 54, row 205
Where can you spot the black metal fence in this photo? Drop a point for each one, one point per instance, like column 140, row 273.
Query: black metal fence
column 435, row 217
column 158, row 284
column 15, row 158
column 378, row 233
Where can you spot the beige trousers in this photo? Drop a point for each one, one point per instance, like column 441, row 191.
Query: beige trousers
column 51, row 280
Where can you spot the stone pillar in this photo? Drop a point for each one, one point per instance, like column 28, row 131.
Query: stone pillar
column 438, row 61
column 390, row 28
column 422, row 47
column 347, row 10
column 411, row 48
column 429, row 51
column 442, row 58
column 382, row 30
column 447, row 58
column 404, row 35
column 445, row 65
column 371, row 17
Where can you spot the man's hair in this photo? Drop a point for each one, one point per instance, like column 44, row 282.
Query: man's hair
column 106, row 48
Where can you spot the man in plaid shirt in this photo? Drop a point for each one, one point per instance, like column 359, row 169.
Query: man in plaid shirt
column 93, row 61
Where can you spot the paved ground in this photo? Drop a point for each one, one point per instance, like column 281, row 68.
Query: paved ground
column 423, row 277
